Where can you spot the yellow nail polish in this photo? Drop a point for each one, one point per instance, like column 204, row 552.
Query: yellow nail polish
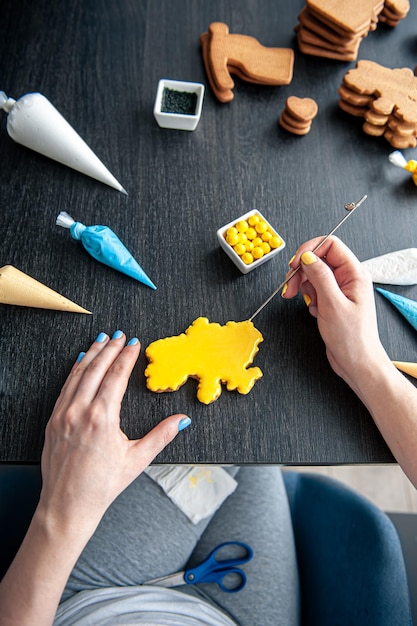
column 307, row 299
column 284, row 289
column 291, row 259
column 308, row 258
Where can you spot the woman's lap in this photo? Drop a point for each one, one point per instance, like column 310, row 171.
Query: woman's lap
column 143, row 535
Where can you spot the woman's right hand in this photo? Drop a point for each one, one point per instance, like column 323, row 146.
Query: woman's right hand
column 338, row 291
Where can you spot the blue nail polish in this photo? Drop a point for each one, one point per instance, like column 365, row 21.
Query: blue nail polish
column 101, row 338
column 80, row 356
column 186, row 421
column 133, row 341
column 117, row 334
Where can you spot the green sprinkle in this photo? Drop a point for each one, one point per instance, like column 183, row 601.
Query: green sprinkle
column 182, row 102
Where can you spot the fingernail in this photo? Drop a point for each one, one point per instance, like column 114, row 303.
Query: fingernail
column 186, row 421
column 80, row 356
column 101, row 338
column 117, row 334
column 308, row 258
column 307, row 299
column 284, row 289
column 291, row 259
column 133, row 341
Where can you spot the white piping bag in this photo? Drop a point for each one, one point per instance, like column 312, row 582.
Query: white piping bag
column 394, row 268
column 35, row 123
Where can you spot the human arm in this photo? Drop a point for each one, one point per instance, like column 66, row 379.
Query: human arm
column 338, row 292
column 87, row 461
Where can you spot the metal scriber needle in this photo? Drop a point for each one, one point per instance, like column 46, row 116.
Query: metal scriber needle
column 350, row 207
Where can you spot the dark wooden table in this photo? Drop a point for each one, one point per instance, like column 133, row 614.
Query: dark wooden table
column 99, row 62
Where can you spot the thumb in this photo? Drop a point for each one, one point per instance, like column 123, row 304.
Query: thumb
column 321, row 278
column 159, row 437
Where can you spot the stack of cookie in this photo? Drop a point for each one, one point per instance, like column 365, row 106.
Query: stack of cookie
column 335, row 29
column 385, row 98
column 298, row 115
column 394, row 11
column 225, row 54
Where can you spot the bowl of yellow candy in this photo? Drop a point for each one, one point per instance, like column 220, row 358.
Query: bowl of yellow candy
column 250, row 241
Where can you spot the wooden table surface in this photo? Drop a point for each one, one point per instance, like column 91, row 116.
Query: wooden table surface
column 99, row 63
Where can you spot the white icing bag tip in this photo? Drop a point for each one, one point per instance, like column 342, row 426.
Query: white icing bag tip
column 397, row 158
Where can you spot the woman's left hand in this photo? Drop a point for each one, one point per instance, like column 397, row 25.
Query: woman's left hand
column 87, row 460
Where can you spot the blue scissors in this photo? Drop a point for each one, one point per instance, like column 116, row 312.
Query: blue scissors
column 212, row 570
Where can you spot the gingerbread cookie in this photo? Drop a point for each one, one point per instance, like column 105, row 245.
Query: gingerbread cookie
column 335, row 29
column 212, row 353
column 298, row 115
column 394, row 11
column 392, row 110
column 225, row 54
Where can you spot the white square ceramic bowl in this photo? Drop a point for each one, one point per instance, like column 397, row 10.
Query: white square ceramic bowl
column 179, row 121
column 245, row 268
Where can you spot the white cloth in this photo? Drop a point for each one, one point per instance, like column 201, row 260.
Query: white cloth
column 141, row 605
column 197, row 490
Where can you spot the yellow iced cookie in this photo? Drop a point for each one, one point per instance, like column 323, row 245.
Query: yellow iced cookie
column 212, row 353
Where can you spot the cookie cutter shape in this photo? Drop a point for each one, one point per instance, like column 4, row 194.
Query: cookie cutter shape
column 186, row 94
column 209, row 352
column 248, row 222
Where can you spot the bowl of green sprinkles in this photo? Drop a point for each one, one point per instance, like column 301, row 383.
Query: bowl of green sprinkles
column 178, row 104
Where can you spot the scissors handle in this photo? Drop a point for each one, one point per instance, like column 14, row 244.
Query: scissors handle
column 215, row 570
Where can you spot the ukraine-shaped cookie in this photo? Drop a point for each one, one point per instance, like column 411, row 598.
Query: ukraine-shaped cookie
column 209, row 352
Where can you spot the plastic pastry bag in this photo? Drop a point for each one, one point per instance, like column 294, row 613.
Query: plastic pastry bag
column 394, row 268
column 105, row 246
column 407, row 307
column 34, row 122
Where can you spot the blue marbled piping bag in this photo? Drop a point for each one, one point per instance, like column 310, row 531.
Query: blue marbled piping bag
column 407, row 307
column 105, row 246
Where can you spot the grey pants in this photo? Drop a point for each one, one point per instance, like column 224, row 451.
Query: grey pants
column 143, row 535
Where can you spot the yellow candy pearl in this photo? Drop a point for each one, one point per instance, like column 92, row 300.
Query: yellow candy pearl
column 257, row 253
column 248, row 246
column 232, row 238
column 275, row 242
column 242, row 238
column 242, row 226
column 261, row 227
column 251, row 233
column 265, row 247
column 247, row 258
column 257, row 241
column 239, row 248
column 267, row 236
column 253, row 219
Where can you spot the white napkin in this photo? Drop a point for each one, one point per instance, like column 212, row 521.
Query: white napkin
column 197, row 490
